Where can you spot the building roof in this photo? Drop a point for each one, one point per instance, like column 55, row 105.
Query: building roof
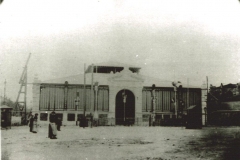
column 5, row 107
column 230, row 85
column 102, row 78
column 111, row 65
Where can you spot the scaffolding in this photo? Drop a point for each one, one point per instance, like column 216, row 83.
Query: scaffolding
column 23, row 90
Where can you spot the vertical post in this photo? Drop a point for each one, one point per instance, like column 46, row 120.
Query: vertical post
column 54, row 104
column 187, row 92
column 25, row 98
column 95, row 103
column 206, row 112
column 124, row 111
column 84, row 90
column 96, row 97
column 91, row 104
column 153, row 104
column 4, row 98
column 175, row 103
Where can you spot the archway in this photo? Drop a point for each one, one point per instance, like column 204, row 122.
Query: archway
column 125, row 113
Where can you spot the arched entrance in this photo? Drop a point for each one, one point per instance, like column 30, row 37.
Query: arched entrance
column 125, row 112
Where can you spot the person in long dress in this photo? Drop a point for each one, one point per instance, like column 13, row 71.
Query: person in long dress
column 34, row 129
column 52, row 129
column 30, row 119
column 59, row 123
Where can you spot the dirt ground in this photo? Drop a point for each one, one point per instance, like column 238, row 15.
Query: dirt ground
column 121, row 143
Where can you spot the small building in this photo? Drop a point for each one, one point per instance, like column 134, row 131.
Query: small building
column 115, row 94
column 6, row 116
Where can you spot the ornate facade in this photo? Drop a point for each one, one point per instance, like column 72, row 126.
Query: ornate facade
column 113, row 94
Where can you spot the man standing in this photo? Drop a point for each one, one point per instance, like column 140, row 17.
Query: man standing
column 52, row 130
column 30, row 118
column 59, row 122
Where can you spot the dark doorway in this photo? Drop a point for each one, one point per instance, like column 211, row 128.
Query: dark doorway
column 129, row 113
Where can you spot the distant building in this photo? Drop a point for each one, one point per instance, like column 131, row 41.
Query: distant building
column 106, row 100
column 223, row 104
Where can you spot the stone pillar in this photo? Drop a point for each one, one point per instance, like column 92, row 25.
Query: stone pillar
column 111, row 113
column 138, row 103
column 64, row 121
column 95, row 115
column 204, row 103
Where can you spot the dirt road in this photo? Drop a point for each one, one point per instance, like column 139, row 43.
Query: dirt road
column 121, row 143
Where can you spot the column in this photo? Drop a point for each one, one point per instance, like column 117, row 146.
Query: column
column 111, row 112
column 36, row 95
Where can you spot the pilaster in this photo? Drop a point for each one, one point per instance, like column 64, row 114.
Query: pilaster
column 36, row 95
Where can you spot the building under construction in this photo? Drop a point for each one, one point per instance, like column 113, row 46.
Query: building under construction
column 114, row 94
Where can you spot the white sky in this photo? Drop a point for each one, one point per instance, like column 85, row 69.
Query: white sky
column 194, row 39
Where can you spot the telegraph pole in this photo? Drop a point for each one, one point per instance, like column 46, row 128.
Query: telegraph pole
column 91, row 104
column 84, row 98
column 84, row 90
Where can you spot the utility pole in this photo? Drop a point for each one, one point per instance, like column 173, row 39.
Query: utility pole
column 84, row 90
column 91, row 104
column 206, row 111
column 187, row 92
column 84, row 98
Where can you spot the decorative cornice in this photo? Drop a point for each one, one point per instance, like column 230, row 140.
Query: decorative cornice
column 126, row 75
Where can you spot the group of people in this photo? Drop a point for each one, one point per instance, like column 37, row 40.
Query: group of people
column 54, row 125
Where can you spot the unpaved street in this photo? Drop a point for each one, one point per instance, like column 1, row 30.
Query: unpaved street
column 118, row 143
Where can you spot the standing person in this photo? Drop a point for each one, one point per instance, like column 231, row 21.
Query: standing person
column 82, row 121
column 30, row 119
column 52, row 130
column 59, row 123
column 91, row 120
column 34, row 128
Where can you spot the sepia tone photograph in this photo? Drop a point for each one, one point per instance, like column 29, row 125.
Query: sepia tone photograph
column 120, row 79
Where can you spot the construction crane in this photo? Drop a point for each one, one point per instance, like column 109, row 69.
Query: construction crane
column 23, row 90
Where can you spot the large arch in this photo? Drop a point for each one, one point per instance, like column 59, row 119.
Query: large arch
column 125, row 114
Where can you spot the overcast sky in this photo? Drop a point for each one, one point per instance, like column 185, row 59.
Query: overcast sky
column 192, row 39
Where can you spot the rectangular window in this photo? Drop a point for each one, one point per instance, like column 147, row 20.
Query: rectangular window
column 43, row 116
column 71, row 117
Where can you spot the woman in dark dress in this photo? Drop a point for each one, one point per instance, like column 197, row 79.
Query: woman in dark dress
column 52, row 130
column 31, row 122
column 34, row 128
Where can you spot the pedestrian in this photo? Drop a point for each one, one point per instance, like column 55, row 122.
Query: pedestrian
column 150, row 120
column 52, row 129
column 59, row 123
column 82, row 121
column 30, row 119
column 91, row 120
column 34, row 128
